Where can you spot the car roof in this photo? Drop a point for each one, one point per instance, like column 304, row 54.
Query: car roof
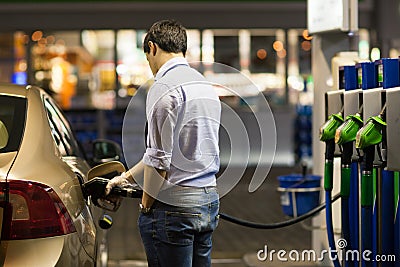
column 14, row 90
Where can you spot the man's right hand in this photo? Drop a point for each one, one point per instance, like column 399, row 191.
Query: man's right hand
column 120, row 180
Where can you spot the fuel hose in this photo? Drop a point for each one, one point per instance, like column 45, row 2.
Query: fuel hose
column 275, row 225
column 328, row 178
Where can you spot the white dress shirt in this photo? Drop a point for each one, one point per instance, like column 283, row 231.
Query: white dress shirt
column 183, row 114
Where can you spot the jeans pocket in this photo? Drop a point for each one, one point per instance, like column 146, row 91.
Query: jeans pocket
column 180, row 227
column 145, row 224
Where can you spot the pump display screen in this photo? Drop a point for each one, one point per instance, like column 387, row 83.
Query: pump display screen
column 341, row 79
column 359, row 77
column 380, row 74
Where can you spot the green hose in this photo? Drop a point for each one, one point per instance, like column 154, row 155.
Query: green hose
column 367, row 193
column 345, row 182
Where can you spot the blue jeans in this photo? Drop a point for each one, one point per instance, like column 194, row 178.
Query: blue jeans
column 180, row 236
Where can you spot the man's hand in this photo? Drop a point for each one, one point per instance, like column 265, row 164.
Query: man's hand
column 120, row 180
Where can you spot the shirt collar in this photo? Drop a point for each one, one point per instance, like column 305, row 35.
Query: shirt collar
column 168, row 65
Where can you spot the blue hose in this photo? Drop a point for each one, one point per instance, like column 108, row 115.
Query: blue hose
column 366, row 231
column 345, row 219
column 346, row 226
column 387, row 213
column 366, row 214
column 329, row 227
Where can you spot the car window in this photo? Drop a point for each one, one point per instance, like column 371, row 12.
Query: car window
column 12, row 116
column 61, row 131
column 3, row 135
column 55, row 132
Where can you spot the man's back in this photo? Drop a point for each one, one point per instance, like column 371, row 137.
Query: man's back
column 194, row 112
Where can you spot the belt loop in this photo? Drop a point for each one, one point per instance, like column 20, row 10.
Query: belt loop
column 206, row 189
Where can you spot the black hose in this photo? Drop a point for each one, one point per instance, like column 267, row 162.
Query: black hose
column 276, row 225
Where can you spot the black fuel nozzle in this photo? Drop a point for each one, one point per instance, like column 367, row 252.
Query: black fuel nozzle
column 369, row 157
column 330, row 149
column 347, row 153
column 95, row 188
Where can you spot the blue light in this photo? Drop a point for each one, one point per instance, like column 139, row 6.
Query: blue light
column 19, row 78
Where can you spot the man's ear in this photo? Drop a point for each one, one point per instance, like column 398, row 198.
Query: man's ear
column 153, row 48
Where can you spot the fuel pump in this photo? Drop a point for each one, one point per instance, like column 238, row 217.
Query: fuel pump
column 333, row 99
column 385, row 179
column 393, row 157
column 367, row 138
column 345, row 136
column 376, row 179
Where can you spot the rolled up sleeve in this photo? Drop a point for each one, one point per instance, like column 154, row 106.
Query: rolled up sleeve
column 158, row 159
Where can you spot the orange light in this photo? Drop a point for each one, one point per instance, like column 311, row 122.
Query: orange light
column 306, row 35
column 306, row 45
column 282, row 53
column 37, row 35
column 50, row 39
column 42, row 41
column 26, row 39
column 277, row 45
column 261, row 54
column 60, row 42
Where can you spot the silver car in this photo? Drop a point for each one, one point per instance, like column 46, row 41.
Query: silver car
column 46, row 219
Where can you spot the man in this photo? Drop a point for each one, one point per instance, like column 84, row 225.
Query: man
column 180, row 203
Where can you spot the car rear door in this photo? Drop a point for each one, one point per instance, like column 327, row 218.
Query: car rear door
column 74, row 157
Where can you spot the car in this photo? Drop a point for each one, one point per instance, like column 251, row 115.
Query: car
column 46, row 218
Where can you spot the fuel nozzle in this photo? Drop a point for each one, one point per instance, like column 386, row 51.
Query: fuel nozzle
column 327, row 134
column 371, row 133
column 328, row 129
column 348, row 130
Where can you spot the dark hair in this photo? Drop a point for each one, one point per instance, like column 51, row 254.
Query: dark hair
column 169, row 35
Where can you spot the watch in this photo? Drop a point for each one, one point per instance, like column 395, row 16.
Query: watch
column 143, row 210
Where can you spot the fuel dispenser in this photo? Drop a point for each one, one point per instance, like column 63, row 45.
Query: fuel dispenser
column 393, row 157
column 345, row 136
column 368, row 157
column 377, row 180
column 334, row 114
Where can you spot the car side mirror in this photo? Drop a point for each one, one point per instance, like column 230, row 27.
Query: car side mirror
column 3, row 135
column 105, row 151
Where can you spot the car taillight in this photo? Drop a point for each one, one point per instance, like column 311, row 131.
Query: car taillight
column 33, row 210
